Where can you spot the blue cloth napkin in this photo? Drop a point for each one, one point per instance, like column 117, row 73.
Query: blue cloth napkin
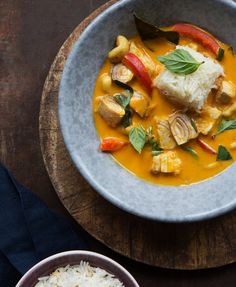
column 29, row 231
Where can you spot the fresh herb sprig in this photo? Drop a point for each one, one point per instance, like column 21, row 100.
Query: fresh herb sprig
column 180, row 62
column 225, row 126
column 137, row 138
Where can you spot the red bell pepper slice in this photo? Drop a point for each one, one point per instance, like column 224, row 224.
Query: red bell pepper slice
column 200, row 36
column 206, row 146
column 111, row 144
column 137, row 67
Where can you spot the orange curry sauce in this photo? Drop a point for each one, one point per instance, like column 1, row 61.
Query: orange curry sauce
column 192, row 170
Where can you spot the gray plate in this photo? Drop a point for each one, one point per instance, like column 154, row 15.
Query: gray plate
column 173, row 204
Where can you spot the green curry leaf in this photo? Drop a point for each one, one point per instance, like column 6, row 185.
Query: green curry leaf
column 124, row 86
column 127, row 119
column 180, row 62
column 124, row 100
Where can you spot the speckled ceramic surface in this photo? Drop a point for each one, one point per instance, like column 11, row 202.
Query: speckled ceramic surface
column 50, row 264
column 174, row 204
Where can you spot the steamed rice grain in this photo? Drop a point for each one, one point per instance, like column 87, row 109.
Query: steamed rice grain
column 82, row 275
column 190, row 90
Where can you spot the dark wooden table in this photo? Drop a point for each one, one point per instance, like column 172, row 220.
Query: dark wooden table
column 31, row 33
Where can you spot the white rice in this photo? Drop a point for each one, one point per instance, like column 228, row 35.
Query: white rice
column 82, row 275
column 191, row 90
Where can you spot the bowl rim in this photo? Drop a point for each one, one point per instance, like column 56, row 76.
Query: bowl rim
column 77, row 252
column 200, row 216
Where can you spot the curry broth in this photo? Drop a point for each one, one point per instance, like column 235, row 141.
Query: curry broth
column 192, row 170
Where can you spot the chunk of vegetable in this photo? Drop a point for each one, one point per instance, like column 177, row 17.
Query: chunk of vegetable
column 144, row 57
column 111, row 144
column 121, row 73
column 182, row 128
column 166, row 162
column 207, row 119
column 226, row 93
column 106, row 82
column 200, row 36
column 218, row 84
column 164, row 134
column 139, row 103
column 135, row 65
column 150, row 109
column 206, row 146
column 233, row 145
column 110, row 111
column 116, row 54
column 230, row 111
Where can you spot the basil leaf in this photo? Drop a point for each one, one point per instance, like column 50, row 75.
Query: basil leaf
column 156, row 152
column 122, row 100
column 226, row 126
column 148, row 31
column 124, row 86
column 137, row 137
column 191, row 151
column 223, row 154
column 180, row 62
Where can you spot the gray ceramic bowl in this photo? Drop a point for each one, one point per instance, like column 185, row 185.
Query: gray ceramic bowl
column 48, row 265
column 173, row 204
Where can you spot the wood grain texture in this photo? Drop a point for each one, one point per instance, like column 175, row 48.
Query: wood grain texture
column 176, row 246
column 31, row 33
